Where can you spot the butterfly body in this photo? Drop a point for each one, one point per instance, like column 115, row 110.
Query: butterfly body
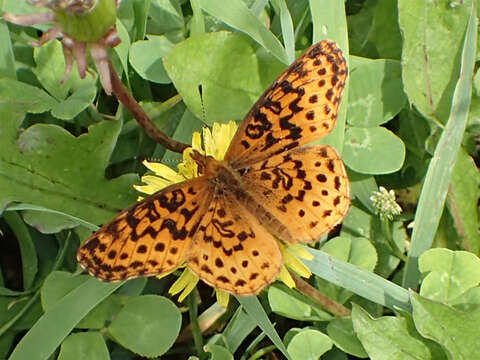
column 224, row 224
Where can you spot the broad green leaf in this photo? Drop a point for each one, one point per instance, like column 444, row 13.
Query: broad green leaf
column 309, row 344
column 227, row 94
column 433, row 34
column 376, row 91
column 25, row 97
column 373, row 150
column 374, row 31
column 290, row 304
column 61, row 319
column 84, row 346
column 462, row 201
column 147, row 325
column 146, row 58
column 389, row 337
column 342, row 334
column 448, row 274
column 45, row 165
column 456, row 331
column 165, row 16
column 75, row 94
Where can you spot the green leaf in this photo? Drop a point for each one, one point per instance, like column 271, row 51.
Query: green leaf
column 376, row 91
column 373, row 150
column 462, row 201
column 227, row 94
column 218, row 352
column 148, row 325
column 449, row 274
column 25, row 97
column 341, row 332
column 357, row 251
column 36, row 167
column 309, row 344
column 374, row 31
column 437, row 180
column 433, row 34
column 146, row 58
column 290, row 304
column 7, row 61
column 456, row 331
column 389, row 337
column 61, row 319
column 75, row 94
column 84, row 346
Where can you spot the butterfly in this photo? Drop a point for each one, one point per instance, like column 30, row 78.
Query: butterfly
column 224, row 223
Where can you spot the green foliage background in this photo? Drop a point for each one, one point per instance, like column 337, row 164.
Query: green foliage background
column 409, row 121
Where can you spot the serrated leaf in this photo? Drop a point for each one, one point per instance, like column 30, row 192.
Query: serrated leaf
column 36, row 167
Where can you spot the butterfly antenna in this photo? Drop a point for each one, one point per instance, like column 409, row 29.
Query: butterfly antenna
column 200, row 91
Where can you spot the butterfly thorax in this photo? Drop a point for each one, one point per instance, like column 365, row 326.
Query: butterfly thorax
column 217, row 171
column 228, row 182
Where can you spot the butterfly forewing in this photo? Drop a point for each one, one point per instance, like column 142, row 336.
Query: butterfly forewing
column 299, row 107
column 152, row 237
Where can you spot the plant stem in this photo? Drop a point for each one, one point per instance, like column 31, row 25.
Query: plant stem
column 124, row 96
column 387, row 231
column 197, row 334
column 321, row 299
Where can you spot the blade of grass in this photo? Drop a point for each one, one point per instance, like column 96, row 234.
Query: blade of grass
column 239, row 16
column 24, row 206
column 434, row 191
column 255, row 310
column 361, row 282
column 26, row 245
column 61, row 319
column 287, row 29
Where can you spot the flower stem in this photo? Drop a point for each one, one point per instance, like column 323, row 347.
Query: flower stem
column 387, row 231
column 197, row 333
column 327, row 303
column 124, row 96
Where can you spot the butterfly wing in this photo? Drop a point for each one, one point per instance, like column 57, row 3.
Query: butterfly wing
column 232, row 251
column 152, row 237
column 299, row 107
column 305, row 190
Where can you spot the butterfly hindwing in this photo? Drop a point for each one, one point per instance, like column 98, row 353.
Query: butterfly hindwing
column 305, row 189
column 232, row 250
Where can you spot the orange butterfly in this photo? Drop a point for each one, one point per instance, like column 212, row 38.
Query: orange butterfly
column 223, row 223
